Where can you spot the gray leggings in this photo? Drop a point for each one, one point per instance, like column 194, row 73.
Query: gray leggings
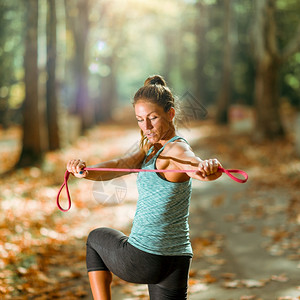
column 166, row 276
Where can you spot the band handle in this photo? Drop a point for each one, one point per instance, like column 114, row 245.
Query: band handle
column 230, row 171
column 65, row 184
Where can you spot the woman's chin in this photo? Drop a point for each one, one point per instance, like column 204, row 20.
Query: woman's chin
column 152, row 139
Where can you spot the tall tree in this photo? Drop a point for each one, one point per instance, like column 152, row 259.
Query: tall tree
column 225, row 92
column 6, row 62
column 268, row 59
column 113, row 18
column 77, row 13
column 108, row 90
column 51, row 95
column 201, row 50
column 169, row 41
column 32, row 150
column 11, row 48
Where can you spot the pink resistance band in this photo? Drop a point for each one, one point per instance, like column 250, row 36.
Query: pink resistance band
column 67, row 174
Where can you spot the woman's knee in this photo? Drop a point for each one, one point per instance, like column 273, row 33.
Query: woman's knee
column 91, row 236
column 95, row 235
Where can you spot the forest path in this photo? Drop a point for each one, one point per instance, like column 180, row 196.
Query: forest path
column 245, row 236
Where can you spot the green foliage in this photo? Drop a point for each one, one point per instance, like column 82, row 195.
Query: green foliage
column 287, row 23
column 129, row 40
column 11, row 58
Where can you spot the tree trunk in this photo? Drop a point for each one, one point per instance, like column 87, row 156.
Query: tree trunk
column 201, row 52
column 268, row 122
column 51, row 96
column 32, row 150
column 83, row 104
column 169, row 56
column 224, row 95
column 108, row 92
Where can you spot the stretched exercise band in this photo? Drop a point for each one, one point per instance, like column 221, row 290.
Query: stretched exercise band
column 67, row 174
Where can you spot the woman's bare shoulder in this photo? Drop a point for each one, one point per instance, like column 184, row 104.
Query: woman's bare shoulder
column 177, row 148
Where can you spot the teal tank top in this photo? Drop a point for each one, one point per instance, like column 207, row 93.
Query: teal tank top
column 160, row 224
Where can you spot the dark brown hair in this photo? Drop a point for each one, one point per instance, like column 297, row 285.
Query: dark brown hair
column 154, row 90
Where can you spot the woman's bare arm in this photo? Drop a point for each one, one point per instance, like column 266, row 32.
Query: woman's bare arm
column 182, row 157
column 130, row 161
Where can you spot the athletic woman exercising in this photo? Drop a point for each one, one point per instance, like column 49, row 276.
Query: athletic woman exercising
column 158, row 251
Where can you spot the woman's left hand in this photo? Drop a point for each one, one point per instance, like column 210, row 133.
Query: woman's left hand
column 209, row 167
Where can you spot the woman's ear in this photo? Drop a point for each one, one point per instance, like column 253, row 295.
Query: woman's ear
column 171, row 114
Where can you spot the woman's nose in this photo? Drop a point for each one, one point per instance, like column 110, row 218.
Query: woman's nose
column 148, row 124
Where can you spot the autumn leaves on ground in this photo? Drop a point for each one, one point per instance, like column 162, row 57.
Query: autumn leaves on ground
column 42, row 250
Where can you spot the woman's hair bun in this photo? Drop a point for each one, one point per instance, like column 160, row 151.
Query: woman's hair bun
column 156, row 79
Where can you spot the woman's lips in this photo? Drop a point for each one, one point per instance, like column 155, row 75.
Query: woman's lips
column 150, row 135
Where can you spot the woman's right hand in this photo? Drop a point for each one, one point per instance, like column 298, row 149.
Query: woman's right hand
column 76, row 166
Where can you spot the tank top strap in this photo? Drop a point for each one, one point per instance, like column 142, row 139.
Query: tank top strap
column 174, row 138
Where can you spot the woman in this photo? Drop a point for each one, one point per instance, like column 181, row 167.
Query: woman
column 158, row 250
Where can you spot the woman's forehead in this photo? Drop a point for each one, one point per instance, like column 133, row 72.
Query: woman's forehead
column 147, row 106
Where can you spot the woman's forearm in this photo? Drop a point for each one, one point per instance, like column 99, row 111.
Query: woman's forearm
column 132, row 161
column 105, row 175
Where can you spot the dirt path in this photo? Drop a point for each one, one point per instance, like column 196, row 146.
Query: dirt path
column 245, row 262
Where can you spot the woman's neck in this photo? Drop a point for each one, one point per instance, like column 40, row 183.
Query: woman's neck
column 168, row 135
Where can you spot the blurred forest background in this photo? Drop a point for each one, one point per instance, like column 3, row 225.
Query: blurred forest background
column 68, row 65
column 69, row 69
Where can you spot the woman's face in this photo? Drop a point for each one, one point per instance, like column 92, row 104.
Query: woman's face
column 155, row 123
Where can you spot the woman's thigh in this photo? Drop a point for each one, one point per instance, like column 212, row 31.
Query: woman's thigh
column 108, row 249
column 175, row 284
column 157, row 292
